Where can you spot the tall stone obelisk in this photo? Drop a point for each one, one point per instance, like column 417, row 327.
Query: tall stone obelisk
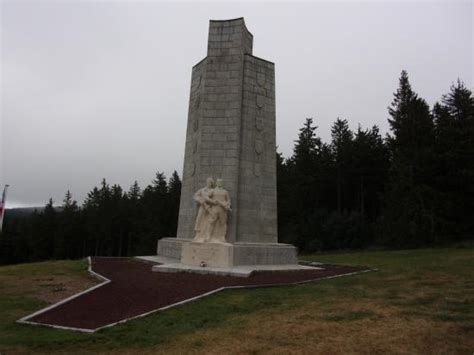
column 231, row 135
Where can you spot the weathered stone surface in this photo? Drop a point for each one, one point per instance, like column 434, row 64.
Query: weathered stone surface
column 264, row 254
column 170, row 247
column 218, row 255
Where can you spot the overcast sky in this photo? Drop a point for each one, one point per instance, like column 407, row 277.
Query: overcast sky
column 100, row 89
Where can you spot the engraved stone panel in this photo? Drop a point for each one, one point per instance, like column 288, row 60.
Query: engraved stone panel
column 197, row 102
column 259, row 146
column 196, row 123
column 259, row 122
column 260, row 101
column 257, row 169
column 198, row 82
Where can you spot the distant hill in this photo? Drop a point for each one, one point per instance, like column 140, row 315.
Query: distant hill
column 21, row 212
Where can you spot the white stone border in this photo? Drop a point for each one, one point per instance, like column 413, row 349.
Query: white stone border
column 24, row 320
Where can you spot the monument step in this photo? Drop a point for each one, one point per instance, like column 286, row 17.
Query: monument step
column 238, row 271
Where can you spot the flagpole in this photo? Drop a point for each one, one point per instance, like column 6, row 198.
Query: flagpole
column 2, row 204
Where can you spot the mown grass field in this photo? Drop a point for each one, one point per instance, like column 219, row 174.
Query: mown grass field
column 420, row 301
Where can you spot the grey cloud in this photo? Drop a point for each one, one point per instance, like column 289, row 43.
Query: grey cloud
column 100, row 89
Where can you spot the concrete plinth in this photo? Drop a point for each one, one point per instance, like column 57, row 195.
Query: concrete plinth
column 191, row 253
column 238, row 271
column 264, row 254
column 170, row 247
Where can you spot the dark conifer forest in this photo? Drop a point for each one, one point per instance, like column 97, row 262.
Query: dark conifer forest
column 412, row 188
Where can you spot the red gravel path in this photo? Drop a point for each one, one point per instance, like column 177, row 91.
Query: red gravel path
column 134, row 289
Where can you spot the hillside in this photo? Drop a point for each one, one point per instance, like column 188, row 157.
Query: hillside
column 419, row 301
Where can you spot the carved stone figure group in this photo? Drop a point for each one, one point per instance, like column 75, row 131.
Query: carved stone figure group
column 211, row 220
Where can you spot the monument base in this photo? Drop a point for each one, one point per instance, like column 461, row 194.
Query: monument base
column 237, row 271
column 227, row 255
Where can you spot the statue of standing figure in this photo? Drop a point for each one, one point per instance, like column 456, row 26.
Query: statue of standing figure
column 211, row 220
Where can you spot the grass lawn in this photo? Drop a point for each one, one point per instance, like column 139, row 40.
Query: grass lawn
column 420, row 301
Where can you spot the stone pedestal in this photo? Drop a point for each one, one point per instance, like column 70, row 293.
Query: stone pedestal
column 225, row 259
column 229, row 255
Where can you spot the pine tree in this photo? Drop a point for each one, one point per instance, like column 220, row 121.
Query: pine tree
column 68, row 202
column 341, row 145
column 118, row 221
column 460, row 102
column 409, row 214
column 159, row 184
column 400, row 104
column 454, row 119
column 98, row 211
column 91, row 208
column 304, row 184
column 174, row 192
column 370, row 169
column 47, row 231
column 307, row 146
column 133, row 217
column 68, row 230
column 175, row 185
column 285, row 200
column 156, row 213
column 134, row 193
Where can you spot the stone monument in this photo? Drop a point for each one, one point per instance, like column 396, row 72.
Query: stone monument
column 230, row 137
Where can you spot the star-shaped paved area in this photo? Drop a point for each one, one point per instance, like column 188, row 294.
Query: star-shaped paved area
column 134, row 290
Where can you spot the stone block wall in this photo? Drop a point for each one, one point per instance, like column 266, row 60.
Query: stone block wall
column 257, row 179
column 231, row 134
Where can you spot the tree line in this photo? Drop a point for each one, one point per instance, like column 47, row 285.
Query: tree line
column 111, row 222
column 412, row 188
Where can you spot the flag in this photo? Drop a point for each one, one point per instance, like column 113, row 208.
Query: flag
column 2, row 206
